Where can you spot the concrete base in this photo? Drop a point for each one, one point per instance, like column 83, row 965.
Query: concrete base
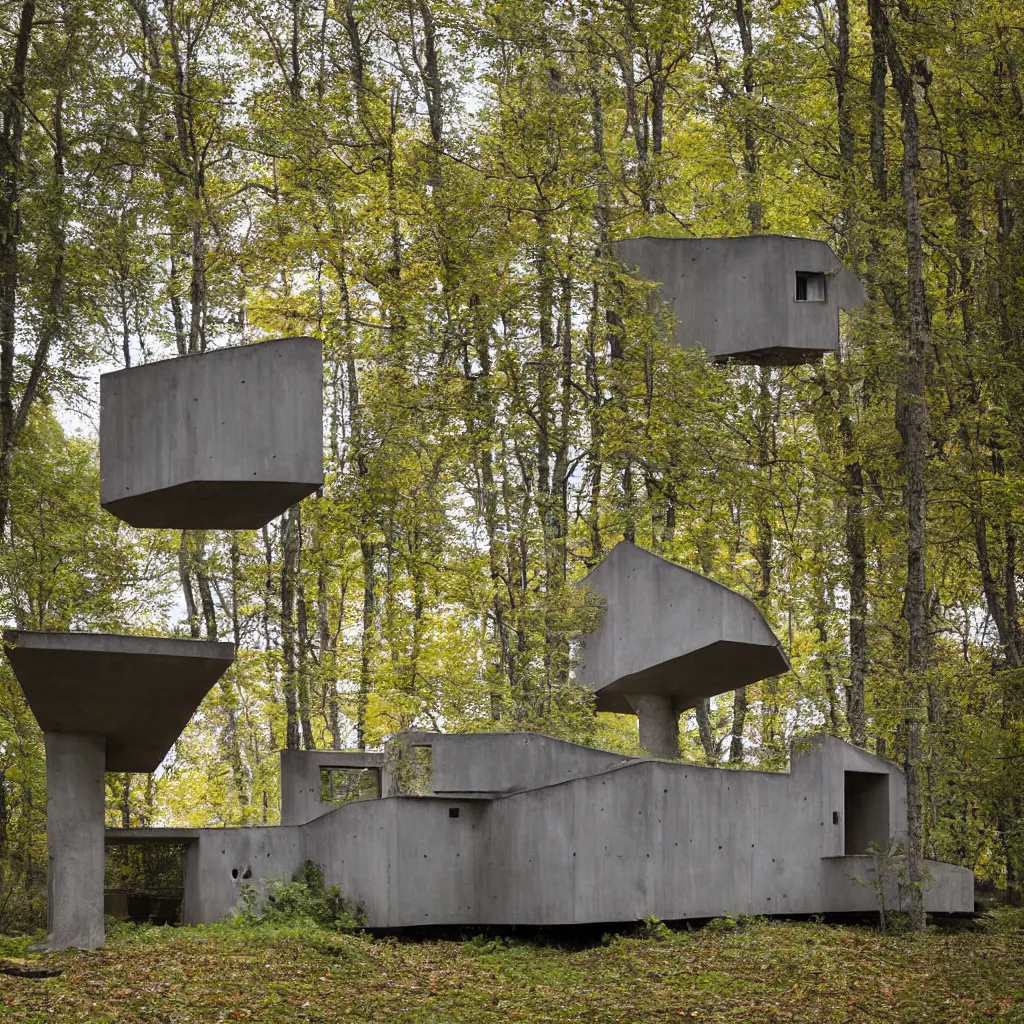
column 75, row 806
column 527, row 830
column 659, row 725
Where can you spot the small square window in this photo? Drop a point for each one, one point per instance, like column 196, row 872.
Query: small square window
column 810, row 287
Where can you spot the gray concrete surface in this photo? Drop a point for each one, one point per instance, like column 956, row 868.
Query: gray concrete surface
column 658, row 720
column 137, row 692
column 736, row 297
column 522, row 829
column 222, row 440
column 667, row 631
column 300, row 780
column 75, row 804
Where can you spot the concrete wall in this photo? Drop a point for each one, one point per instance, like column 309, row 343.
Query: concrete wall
column 220, row 860
column 560, row 834
column 223, row 440
column 736, row 297
column 300, row 780
column 494, row 763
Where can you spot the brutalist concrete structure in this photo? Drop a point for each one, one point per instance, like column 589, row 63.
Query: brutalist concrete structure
column 105, row 703
column 223, row 440
column 766, row 299
column 521, row 829
column 668, row 638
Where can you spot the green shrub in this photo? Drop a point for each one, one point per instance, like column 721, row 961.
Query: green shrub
column 303, row 900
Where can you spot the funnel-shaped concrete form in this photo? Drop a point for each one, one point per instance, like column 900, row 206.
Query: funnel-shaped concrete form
column 105, row 703
column 765, row 299
column 223, row 440
column 136, row 692
column 670, row 637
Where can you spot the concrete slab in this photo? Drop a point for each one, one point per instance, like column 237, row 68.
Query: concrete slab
column 136, row 692
column 740, row 298
column 670, row 632
column 223, row 440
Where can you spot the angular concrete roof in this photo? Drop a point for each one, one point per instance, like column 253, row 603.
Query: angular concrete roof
column 220, row 440
column 136, row 691
column 736, row 297
column 669, row 631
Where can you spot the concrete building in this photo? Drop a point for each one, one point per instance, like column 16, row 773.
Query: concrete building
column 223, row 440
column 521, row 829
column 766, row 299
column 487, row 829
column 105, row 703
column 668, row 638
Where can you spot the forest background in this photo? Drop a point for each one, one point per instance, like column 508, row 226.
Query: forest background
column 431, row 187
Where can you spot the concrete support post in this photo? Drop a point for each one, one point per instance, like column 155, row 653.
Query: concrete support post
column 659, row 725
column 75, row 806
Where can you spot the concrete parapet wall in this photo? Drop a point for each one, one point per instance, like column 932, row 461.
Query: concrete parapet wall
column 300, row 780
column 568, row 835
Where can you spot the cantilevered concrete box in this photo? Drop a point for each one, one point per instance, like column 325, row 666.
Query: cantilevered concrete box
column 668, row 631
column 223, row 440
column 766, row 299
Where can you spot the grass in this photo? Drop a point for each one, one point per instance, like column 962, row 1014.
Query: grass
column 758, row 972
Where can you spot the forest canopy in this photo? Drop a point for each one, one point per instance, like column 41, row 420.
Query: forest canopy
column 433, row 189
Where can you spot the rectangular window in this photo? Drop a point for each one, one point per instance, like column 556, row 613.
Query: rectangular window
column 340, row 785
column 810, row 287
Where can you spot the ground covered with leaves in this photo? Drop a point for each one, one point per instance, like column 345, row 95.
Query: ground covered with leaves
column 756, row 971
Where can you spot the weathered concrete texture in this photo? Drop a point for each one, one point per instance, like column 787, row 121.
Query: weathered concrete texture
column 223, row 440
column 658, row 719
column 498, row 763
column 601, row 838
column 667, row 631
column 300, row 780
column 137, row 692
column 737, row 297
column 75, row 802
column 222, row 860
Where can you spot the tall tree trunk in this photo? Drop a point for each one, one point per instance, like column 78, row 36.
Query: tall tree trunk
column 912, row 424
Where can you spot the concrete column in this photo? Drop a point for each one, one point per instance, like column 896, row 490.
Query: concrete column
column 75, row 806
column 659, row 725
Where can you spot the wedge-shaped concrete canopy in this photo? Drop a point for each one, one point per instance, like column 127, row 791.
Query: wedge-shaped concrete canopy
column 138, row 692
column 223, row 440
column 668, row 631
column 765, row 299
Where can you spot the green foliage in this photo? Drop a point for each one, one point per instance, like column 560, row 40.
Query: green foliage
column 304, row 901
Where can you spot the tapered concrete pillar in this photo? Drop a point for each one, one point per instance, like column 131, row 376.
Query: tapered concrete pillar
column 75, row 805
column 659, row 724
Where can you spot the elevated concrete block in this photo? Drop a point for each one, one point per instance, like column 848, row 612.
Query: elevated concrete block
column 670, row 632
column 136, row 692
column 223, row 440
column 766, row 299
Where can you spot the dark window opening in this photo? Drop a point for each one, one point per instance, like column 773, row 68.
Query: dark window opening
column 144, row 882
column 866, row 811
column 810, row 287
column 340, row 785
column 453, row 812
